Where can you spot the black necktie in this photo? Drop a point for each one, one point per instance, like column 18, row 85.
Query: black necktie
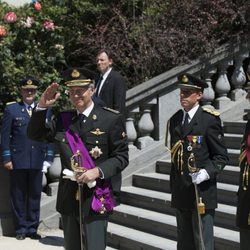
column 185, row 123
column 82, row 118
column 98, row 85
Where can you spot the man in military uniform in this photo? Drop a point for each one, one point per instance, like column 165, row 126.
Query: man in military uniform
column 101, row 133
column 198, row 154
column 25, row 159
column 243, row 204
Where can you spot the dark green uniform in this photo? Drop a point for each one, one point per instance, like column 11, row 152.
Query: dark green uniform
column 104, row 130
column 243, row 205
column 204, row 138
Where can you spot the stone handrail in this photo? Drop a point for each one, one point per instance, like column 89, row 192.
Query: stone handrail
column 152, row 103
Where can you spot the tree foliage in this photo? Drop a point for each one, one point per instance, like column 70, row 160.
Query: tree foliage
column 147, row 37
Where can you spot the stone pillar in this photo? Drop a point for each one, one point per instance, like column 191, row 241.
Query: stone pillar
column 208, row 94
column 130, row 128
column 238, row 78
column 222, row 86
column 145, row 125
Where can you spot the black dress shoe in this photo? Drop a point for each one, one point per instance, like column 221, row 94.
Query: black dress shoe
column 20, row 236
column 35, row 236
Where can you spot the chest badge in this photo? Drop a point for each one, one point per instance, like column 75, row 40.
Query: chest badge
column 97, row 132
column 95, row 152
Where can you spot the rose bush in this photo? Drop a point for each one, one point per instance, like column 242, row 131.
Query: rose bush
column 31, row 43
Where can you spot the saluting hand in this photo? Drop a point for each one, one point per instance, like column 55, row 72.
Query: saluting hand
column 49, row 96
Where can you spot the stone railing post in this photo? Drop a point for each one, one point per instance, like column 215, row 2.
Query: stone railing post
column 222, row 86
column 130, row 128
column 208, row 94
column 145, row 125
column 238, row 78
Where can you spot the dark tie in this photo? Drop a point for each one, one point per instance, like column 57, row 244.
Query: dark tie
column 185, row 123
column 82, row 119
column 98, row 85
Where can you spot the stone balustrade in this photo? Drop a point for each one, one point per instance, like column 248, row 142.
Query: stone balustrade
column 152, row 103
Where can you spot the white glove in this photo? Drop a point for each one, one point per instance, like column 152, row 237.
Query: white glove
column 46, row 165
column 200, row 176
column 68, row 174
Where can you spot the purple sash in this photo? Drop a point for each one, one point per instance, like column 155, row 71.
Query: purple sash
column 102, row 200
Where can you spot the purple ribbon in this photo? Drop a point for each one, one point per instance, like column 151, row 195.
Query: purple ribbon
column 102, row 200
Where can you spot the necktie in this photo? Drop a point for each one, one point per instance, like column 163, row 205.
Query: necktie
column 98, row 85
column 185, row 123
column 29, row 110
column 82, row 118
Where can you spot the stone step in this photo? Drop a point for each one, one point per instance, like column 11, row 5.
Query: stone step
column 161, row 202
column 233, row 155
column 233, row 140
column 234, row 127
column 164, row 225
column 230, row 174
column 160, row 182
column 126, row 238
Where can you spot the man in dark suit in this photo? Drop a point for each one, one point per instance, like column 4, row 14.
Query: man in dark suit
column 98, row 131
column 110, row 87
column 198, row 154
column 243, row 204
column 25, row 159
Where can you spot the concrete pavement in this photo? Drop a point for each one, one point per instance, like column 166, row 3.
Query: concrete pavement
column 52, row 239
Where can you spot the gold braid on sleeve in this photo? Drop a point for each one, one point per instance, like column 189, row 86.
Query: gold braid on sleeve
column 177, row 149
column 245, row 174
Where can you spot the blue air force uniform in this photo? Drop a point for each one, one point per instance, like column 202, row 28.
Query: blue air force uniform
column 27, row 157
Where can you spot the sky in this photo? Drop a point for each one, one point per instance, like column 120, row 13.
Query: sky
column 17, row 2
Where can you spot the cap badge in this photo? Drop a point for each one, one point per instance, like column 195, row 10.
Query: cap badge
column 29, row 82
column 75, row 73
column 184, row 79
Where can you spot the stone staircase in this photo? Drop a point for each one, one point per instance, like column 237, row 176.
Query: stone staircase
column 145, row 219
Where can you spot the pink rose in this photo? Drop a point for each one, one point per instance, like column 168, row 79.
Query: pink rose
column 2, row 31
column 37, row 6
column 28, row 22
column 10, row 17
column 49, row 25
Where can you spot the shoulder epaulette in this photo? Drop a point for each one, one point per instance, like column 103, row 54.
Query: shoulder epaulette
column 112, row 110
column 8, row 103
column 212, row 112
